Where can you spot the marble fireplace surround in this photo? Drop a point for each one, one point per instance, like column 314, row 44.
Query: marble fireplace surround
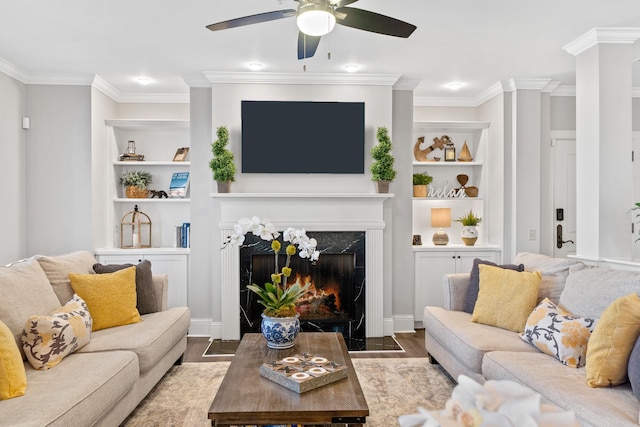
column 314, row 212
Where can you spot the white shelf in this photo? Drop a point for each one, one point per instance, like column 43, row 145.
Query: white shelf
column 151, row 200
column 152, row 163
column 426, row 247
column 143, row 251
column 146, row 124
column 448, row 199
column 447, row 164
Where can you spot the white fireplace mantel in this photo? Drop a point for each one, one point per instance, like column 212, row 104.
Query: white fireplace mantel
column 314, row 212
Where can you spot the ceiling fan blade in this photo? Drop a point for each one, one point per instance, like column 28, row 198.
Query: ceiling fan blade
column 343, row 3
column 374, row 22
column 307, row 45
column 252, row 19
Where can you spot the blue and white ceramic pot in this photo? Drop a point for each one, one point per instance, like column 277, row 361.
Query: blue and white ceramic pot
column 280, row 332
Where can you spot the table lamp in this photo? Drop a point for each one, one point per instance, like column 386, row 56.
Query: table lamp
column 440, row 217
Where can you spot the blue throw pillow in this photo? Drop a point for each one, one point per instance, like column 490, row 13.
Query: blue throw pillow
column 474, row 282
column 633, row 369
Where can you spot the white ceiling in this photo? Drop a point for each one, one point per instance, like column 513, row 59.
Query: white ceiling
column 478, row 42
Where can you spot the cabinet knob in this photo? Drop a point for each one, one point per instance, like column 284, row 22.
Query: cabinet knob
column 139, row 261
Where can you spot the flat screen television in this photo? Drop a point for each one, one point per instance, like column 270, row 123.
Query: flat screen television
column 302, row 137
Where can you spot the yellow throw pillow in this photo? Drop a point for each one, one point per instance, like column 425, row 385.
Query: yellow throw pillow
column 612, row 341
column 506, row 297
column 46, row 340
column 13, row 378
column 111, row 297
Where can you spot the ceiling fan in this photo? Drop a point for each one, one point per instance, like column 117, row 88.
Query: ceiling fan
column 316, row 18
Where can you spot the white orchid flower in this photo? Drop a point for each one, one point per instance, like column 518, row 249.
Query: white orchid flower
column 314, row 256
column 236, row 239
column 269, row 232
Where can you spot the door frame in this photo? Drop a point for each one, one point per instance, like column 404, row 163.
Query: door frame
column 547, row 219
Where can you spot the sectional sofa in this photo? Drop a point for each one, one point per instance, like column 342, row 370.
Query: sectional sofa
column 485, row 352
column 102, row 382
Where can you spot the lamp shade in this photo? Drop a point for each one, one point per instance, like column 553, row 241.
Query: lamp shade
column 441, row 217
column 315, row 19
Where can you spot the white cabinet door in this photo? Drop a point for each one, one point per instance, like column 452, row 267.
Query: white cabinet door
column 175, row 266
column 429, row 269
column 430, row 266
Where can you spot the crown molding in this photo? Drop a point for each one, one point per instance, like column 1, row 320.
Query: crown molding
column 564, row 91
column 602, row 35
column 196, row 80
column 217, row 77
column 141, row 98
column 444, row 101
column 530, row 84
column 406, row 84
column 12, row 70
column 106, row 88
column 492, row 91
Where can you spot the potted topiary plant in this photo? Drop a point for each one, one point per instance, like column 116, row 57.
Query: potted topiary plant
column 136, row 183
column 469, row 230
column 421, row 183
column 382, row 167
column 224, row 170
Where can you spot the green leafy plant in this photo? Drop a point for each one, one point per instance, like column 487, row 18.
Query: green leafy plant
column 278, row 298
column 382, row 166
column 140, row 179
column 636, row 207
column 224, row 170
column 422, row 179
column 469, row 219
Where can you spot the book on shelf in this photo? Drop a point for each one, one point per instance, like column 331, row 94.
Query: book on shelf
column 183, row 235
column 179, row 184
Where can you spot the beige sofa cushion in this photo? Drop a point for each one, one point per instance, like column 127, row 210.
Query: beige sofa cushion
column 77, row 392
column 24, row 291
column 590, row 291
column 149, row 339
column 469, row 341
column 57, row 269
column 565, row 387
column 554, row 272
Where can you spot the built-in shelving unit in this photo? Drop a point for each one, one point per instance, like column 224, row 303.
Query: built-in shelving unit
column 158, row 141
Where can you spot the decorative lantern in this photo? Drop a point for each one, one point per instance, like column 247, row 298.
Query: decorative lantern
column 449, row 153
column 131, row 147
column 135, row 230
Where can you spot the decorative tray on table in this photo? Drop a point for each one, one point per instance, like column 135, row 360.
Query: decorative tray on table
column 303, row 372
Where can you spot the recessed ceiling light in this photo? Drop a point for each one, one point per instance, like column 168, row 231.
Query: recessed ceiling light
column 455, row 85
column 255, row 66
column 143, row 80
column 352, row 68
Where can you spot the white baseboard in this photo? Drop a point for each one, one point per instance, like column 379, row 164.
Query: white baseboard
column 387, row 327
column 202, row 327
column 403, row 323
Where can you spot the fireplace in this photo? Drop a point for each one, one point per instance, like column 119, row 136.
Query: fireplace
column 336, row 299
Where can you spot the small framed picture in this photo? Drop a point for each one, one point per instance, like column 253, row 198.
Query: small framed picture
column 181, row 154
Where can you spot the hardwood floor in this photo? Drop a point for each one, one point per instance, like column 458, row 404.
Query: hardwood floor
column 412, row 343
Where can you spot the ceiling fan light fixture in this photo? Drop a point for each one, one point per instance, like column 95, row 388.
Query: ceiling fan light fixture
column 315, row 19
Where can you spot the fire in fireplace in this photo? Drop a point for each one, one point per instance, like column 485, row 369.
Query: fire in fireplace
column 336, row 300
column 331, row 293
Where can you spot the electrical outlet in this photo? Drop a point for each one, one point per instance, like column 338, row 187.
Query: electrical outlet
column 532, row 234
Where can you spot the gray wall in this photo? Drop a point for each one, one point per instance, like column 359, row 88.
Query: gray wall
column 12, row 169
column 58, row 173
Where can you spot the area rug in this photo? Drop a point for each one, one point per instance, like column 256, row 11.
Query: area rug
column 392, row 387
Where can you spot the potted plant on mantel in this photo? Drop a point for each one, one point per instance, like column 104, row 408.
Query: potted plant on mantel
column 136, row 183
column 224, row 170
column 382, row 167
column 280, row 323
column 421, row 183
column 469, row 230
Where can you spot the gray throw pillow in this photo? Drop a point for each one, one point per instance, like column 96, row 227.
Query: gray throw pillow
column 145, row 292
column 474, row 282
column 633, row 369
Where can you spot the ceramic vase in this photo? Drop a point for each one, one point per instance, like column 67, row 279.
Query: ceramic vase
column 382, row 186
column 280, row 332
column 469, row 235
column 224, row 187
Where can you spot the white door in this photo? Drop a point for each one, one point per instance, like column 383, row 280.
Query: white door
column 636, row 196
column 563, row 156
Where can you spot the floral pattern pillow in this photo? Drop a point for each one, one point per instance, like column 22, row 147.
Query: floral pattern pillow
column 558, row 333
column 46, row 340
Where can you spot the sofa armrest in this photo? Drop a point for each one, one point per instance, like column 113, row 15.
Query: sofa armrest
column 161, row 287
column 454, row 290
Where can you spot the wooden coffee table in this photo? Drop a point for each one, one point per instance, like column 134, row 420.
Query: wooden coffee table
column 246, row 398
